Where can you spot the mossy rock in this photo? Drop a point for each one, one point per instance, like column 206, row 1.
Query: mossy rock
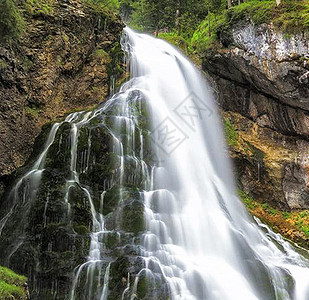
column 119, row 270
column 59, row 153
column 133, row 219
column 116, row 194
column 80, row 207
column 151, row 286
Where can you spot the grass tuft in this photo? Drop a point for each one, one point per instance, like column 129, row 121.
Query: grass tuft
column 12, row 285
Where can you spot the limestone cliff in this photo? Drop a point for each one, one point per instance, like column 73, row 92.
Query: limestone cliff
column 261, row 80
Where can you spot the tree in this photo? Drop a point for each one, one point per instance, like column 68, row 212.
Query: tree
column 181, row 16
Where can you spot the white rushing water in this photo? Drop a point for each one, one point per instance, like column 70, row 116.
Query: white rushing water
column 198, row 231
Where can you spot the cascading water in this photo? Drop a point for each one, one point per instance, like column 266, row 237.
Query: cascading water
column 150, row 166
column 198, row 231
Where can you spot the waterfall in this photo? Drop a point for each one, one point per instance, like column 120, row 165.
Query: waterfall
column 147, row 174
column 198, row 231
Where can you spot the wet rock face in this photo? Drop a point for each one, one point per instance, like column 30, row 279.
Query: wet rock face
column 73, row 221
column 263, row 75
column 63, row 62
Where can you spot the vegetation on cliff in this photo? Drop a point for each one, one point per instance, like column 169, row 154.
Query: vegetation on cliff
column 12, row 16
column 292, row 225
column 12, row 285
column 11, row 21
column 290, row 17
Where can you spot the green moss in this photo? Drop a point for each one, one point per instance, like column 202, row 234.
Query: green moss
column 8, row 291
column 103, row 6
column 11, row 20
column 81, row 229
column 102, row 54
column 142, row 287
column 293, row 225
column 11, row 285
column 3, row 64
column 10, row 277
column 65, row 37
column 27, row 63
column 33, row 111
column 286, row 215
column 115, row 194
column 133, row 217
column 59, row 153
column 230, row 132
column 292, row 16
column 248, row 201
column 39, row 7
column 111, row 239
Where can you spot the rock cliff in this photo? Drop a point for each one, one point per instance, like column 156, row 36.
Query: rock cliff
column 261, row 79
column 61, row 63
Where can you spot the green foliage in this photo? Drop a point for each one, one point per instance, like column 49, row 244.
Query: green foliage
column 176, row 40
column 217, row 26
column 11, row 21
column 171, row 15
column 230, row 132
column 11, row 285
column 205, row 36
column 143, row 16
column 258, row 11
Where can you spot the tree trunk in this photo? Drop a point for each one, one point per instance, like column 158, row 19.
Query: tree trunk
column 278, row 2
column 229, row 3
